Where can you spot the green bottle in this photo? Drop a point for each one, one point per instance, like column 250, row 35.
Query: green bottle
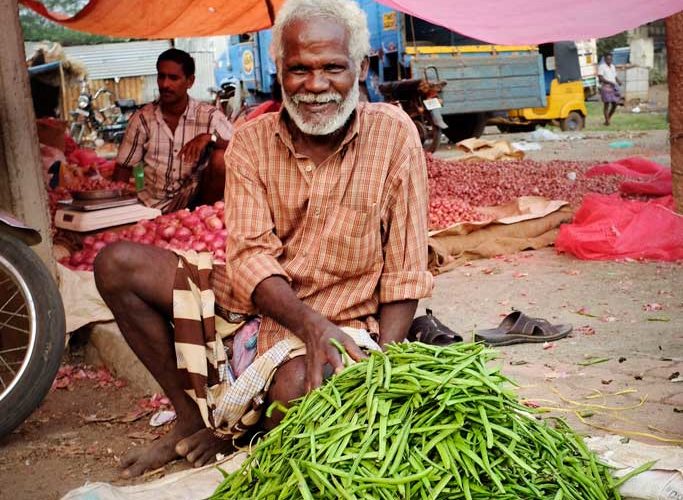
column 139, row 176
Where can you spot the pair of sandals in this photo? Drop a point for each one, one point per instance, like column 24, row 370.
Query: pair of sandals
column 516, row 328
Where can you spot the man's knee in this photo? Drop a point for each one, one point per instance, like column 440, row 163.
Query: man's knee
column 289, row 381
column 114, row 265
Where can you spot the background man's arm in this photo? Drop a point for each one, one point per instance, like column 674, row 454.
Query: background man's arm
column 220, row 126
column 131, row 151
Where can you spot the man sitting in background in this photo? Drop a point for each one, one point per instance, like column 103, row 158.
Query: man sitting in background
column 172, row 136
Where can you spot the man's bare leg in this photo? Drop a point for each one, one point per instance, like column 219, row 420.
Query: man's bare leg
column 605, row 112
column 288, row 384
column 613, row 108
column 136, row 282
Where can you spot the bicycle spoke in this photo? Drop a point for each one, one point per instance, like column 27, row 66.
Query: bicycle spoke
column 13, row 349
column 3, row 362
column 2, row 307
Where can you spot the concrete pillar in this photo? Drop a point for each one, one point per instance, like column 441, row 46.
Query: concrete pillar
column 22, row 188
column 674, row 49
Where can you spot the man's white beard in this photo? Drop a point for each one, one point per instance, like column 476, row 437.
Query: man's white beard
column 327, row 126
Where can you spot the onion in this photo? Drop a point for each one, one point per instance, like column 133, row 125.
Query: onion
column 89, row 257
column 214, row 223
column 204, row 211
column 183, row 234
column 77, row 258
column 208, row 237
column 166, row 232
column 110, row 237
column 199, row 229
column 217, row 244
column 219, row 206
column 191, row 221
column 198, row 246
column 138, row 230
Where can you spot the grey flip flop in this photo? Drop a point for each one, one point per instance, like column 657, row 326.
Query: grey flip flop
column 517, row 328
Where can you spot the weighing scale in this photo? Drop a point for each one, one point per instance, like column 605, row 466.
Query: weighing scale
column 91, row 210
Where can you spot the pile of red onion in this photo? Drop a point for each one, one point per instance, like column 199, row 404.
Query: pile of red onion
column 457, row 188
column 200, row 230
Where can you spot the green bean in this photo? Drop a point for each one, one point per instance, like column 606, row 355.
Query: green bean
column 419, row 422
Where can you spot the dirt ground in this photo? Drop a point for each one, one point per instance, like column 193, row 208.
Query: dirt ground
column 617, row 372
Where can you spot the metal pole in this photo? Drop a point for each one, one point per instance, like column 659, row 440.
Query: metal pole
column 674, row 55
column 22, row 188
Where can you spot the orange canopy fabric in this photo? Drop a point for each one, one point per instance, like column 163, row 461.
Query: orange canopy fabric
column 167, row 18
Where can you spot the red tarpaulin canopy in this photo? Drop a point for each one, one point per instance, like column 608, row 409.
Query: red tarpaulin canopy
column 494, row 21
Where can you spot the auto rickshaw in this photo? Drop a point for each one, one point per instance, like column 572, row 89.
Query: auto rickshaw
column 564, row 90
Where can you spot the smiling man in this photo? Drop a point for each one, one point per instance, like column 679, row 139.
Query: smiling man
column 326, row 212
column 171, row 136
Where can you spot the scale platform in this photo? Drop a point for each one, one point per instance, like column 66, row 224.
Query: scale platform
column 90, row 220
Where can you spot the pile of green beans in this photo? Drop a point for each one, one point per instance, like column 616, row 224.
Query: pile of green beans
column 419, row 422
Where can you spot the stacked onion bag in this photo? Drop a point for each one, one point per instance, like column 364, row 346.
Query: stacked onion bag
column 419, row 422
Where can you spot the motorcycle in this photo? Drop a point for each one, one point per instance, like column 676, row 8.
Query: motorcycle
column 32, row 324
column 420, row 99
column 107, row 124
column 228, row 98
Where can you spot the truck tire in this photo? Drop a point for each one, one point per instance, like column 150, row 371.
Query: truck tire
column 511, row 129
column 32, row 332
column 464, row 126
column 573, row 123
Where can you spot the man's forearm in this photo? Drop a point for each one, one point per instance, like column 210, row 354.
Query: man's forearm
column 122, row 173
column 275, row 298
column 395, row 319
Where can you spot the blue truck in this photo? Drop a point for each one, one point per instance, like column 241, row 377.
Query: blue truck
column 474, row 80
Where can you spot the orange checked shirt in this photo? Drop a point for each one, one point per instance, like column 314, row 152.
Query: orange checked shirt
column 348, row 234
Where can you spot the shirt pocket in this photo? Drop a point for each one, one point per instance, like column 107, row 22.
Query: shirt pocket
column 351, row 242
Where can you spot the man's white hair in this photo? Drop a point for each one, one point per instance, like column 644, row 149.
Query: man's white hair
column 345, row 12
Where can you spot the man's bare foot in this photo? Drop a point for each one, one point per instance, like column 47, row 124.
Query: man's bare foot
column 201, row 447
column 156, row 455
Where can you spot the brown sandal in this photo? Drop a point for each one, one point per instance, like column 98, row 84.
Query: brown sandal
column 429, row 330
column 517, row 328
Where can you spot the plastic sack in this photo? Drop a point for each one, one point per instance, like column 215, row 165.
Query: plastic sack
column 607, row 227
column 649, row 178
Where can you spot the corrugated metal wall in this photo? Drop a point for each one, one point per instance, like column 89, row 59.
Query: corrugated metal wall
column 202, row 50
column 111, row 60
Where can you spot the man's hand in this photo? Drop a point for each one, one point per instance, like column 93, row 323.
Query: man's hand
column 193, row 149
column 122, row 173
column 276, row 299
column 320, row 351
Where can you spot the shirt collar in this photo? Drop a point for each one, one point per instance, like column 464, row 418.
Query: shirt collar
column 283, row 132
column 189, row 110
